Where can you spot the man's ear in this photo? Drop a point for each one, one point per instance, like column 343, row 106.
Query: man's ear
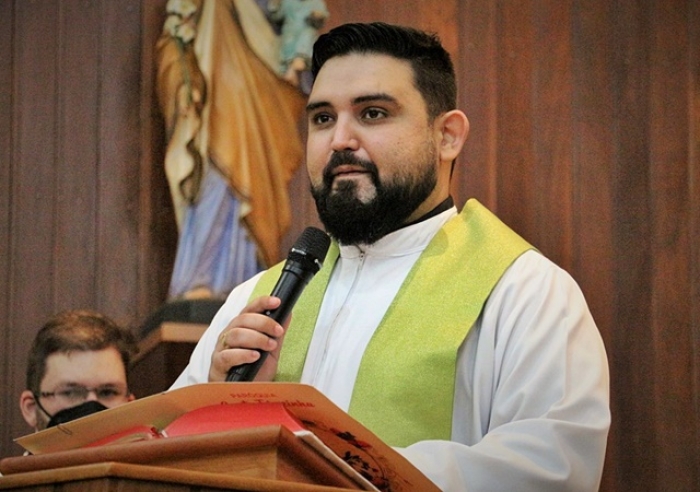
column 27, row 404
column 454, row 128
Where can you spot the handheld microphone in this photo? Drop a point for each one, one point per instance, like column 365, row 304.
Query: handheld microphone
column 304, row 260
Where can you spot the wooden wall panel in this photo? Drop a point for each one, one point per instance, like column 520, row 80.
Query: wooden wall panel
column 33, row 182
column 7, row 361
column 117, row 227
column 514, row 124
column 476, row 170
column 694, row 218
column 533, row 77
column 77, row 142
column 671, row 284
column 593, row 151
column 157, row 228
column 552, row 105
column 632, row 352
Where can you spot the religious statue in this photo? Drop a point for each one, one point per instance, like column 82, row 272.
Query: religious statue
column 233, row 142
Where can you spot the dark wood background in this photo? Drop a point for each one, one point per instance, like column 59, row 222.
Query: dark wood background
column 585, row 139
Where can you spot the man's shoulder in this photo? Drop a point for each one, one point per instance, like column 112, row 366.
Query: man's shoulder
column 534, row 273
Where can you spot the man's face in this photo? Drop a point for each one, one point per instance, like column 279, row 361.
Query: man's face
column 371, row 151
column 66, row 372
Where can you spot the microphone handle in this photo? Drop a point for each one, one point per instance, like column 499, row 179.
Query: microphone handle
column 288, row 288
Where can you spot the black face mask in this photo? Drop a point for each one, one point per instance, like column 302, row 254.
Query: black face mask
column 72, row 413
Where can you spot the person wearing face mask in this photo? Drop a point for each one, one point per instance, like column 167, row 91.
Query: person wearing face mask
column 442, row 331
column 77, row 365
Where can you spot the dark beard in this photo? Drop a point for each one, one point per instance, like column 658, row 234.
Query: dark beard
column 351, row 221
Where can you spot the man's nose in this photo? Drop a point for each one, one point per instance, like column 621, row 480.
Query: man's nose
column 344, row 136
column 91, row 395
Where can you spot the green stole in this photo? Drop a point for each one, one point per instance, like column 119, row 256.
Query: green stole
column 404, row 390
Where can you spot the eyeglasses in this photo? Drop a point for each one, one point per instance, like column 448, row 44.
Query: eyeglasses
column 72, row 395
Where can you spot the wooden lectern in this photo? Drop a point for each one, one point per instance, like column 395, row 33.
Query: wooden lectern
column 267, row 458
column 244, row 436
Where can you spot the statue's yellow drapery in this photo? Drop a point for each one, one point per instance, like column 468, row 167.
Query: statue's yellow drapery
column 225, row 107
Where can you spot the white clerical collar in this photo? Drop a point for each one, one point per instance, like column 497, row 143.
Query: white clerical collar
column 404, row 241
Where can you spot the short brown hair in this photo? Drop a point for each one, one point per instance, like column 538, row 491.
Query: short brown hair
column 77, row 330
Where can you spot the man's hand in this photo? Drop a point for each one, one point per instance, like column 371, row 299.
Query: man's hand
column 245, row 333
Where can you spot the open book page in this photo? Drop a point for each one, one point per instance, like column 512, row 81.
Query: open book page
column 381, row 465
column 358, row 467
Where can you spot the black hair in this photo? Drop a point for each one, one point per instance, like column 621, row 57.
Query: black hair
column 433, row 71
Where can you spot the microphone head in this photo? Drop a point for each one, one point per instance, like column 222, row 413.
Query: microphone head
column 313, row 245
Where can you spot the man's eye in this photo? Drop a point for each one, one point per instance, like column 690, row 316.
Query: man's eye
column 321, row 119
column 107, row 393
column 72, row 393
column 374, row 114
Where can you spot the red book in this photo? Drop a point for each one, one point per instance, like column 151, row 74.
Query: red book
column 215, row 418
column 132, row 434
column 211, row 418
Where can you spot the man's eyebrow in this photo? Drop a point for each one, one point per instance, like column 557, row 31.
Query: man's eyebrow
column 380, row 96
column 316, row 105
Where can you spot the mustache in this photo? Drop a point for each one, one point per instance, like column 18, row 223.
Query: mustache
column 344, row 157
